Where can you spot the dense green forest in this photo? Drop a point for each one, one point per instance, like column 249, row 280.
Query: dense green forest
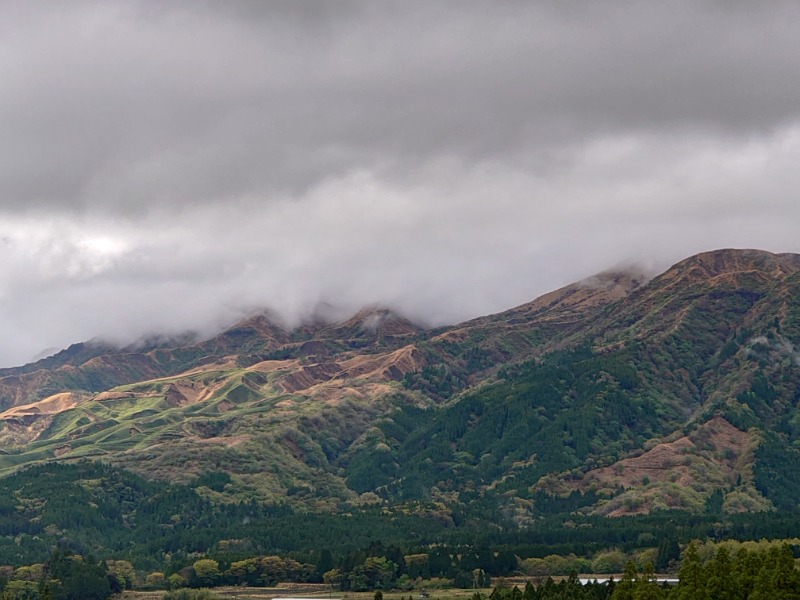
column 559, row 410
column 131, row 530
column 575, row 411
column 91, row 508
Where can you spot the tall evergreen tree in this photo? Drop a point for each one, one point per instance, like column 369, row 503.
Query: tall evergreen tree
column 692, row 578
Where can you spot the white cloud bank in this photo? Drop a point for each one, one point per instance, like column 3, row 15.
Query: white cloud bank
column 164, row 169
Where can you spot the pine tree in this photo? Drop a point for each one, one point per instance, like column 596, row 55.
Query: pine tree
column 626, row 586
column 719, row 584
column 646, row 587
column 692, row 578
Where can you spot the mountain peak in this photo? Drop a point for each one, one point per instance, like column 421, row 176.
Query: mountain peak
column 729, row 260
column 571, row 302
column 374, row 320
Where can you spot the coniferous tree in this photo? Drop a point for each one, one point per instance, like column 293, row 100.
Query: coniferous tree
column 627, row 585
column 778, row 579
column 692, row 578
column 646, row 587
column 719, row 577
column 73, row 577
column 530, row 592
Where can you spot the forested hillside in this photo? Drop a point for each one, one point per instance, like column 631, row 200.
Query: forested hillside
column 616, row 396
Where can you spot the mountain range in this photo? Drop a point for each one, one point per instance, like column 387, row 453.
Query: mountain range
column 620, row 394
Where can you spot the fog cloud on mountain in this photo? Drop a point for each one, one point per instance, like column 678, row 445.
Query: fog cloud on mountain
column 173, row 166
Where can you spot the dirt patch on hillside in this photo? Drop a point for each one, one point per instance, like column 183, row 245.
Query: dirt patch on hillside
column 49, row 406
column 363, row 393
column 712, row 455
column 113, row 395
column 62, row 450
column 225, row 405
column 268, row 366
column 174, row 397
column 187, row 391
column 384, row 367
column 454, row 335
column 230, row 441
column 309, row 376
column 226, row 363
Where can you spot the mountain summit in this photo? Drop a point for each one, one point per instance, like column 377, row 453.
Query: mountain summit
column 625, row 393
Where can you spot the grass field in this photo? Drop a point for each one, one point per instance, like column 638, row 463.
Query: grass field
column 243, row 593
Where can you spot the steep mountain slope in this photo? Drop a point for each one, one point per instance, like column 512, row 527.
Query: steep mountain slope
column 280, row 413
column 712, row 338
column 623, row 394
column 241, row 406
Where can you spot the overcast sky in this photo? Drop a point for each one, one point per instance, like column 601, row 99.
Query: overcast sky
column 172, row 165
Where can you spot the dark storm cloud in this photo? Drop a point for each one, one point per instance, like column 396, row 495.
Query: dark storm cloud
column 169, row 165
column 127, row 105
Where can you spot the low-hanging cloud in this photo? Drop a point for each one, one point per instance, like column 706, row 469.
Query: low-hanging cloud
column 172, row 167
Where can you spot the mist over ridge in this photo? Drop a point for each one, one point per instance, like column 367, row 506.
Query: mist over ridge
column 175, row 168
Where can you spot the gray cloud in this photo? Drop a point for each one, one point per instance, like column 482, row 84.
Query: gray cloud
column 169, row 166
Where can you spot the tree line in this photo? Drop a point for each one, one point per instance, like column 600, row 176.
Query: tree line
column 765, row 571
